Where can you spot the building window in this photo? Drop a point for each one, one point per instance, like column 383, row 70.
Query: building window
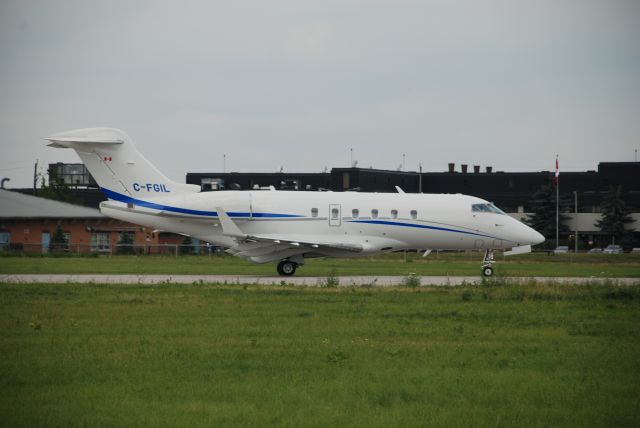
column 394, row 213
column 414, row 214
column 355, row 213
column 5, row 240
column 335, row 212
column 100, row 241
column 374, row 213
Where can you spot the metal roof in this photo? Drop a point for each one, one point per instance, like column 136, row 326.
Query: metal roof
column 19, row 205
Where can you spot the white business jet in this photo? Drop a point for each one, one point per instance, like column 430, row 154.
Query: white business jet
column 289, row 227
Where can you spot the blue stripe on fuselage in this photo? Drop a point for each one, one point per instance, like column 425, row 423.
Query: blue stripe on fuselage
column 147, row 204
column 420, row 226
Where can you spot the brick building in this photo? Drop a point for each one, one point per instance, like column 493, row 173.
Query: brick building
column 28, row 223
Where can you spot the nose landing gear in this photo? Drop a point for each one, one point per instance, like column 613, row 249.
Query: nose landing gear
column 487, row 262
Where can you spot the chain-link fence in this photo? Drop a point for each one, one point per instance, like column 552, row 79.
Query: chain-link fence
column 116, row 249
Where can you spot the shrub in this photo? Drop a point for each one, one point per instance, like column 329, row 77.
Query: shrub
column 412, row 280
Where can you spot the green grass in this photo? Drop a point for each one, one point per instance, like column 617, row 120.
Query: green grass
column 454, row 264
column 207, row 355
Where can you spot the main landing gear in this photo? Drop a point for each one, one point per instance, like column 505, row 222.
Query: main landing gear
column 287, row 267
column 487, row 269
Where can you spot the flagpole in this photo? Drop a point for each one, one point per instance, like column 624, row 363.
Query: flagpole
column 557, row 204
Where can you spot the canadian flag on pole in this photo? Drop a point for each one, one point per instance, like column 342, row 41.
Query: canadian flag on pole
column 556, row 178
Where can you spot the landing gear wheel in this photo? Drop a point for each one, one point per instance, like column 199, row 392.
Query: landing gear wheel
column 487, row 271
column 287, row 268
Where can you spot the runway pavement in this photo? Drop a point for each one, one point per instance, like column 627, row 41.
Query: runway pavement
column 309, row 281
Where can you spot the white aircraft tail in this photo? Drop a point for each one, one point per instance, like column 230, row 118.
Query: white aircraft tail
column 117, row 166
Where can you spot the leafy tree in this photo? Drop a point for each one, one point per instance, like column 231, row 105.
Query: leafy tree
column 615, row 215
column 543, row 214
column 58, row 240
column 186, row 247
column 125, row 243
column 56, row 190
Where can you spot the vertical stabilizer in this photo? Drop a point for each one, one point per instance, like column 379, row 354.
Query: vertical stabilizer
column 116, row 165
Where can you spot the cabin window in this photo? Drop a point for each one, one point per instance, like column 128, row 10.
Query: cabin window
column 414, row 214
column 314, row 212
column 335, row 212
column 374, row 213
column 355, row 213
column 394, row 213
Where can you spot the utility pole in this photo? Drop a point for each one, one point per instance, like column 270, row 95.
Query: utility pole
column 420, row 179
column 557, row 203
column 224, row 163
column 351, row 157
column 403, row 156
column 35, row 177
column 575, row 198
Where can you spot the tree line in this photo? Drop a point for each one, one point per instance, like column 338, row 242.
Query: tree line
column 616, row 216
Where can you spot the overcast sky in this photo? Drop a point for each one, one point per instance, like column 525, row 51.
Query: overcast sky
column 298, row 83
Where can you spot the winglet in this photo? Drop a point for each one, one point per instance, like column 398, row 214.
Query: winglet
column 229, row 228
column 399, row 189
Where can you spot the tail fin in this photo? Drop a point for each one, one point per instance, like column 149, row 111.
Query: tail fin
column 116, row 165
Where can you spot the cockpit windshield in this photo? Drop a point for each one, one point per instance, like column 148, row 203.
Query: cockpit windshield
column 486, row 208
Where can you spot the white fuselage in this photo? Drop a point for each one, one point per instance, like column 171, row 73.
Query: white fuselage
column 376, row 221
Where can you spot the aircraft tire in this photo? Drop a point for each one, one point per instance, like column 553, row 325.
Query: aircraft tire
column 487, row 271
column 287, row 268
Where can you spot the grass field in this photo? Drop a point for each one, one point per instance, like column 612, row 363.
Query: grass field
column 207, row 355
column 454, row 264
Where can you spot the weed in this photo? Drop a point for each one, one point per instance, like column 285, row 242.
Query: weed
column 621, row 294
column 35, row 323
column 331, row 281
column 412, row 280
column 336, row 356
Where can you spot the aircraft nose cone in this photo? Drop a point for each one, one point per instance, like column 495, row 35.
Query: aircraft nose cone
column 536, row 237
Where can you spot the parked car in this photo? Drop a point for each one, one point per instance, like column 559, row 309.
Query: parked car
column 595, row 251
column 613, row 249
column 635, row 250
column 561, row 249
